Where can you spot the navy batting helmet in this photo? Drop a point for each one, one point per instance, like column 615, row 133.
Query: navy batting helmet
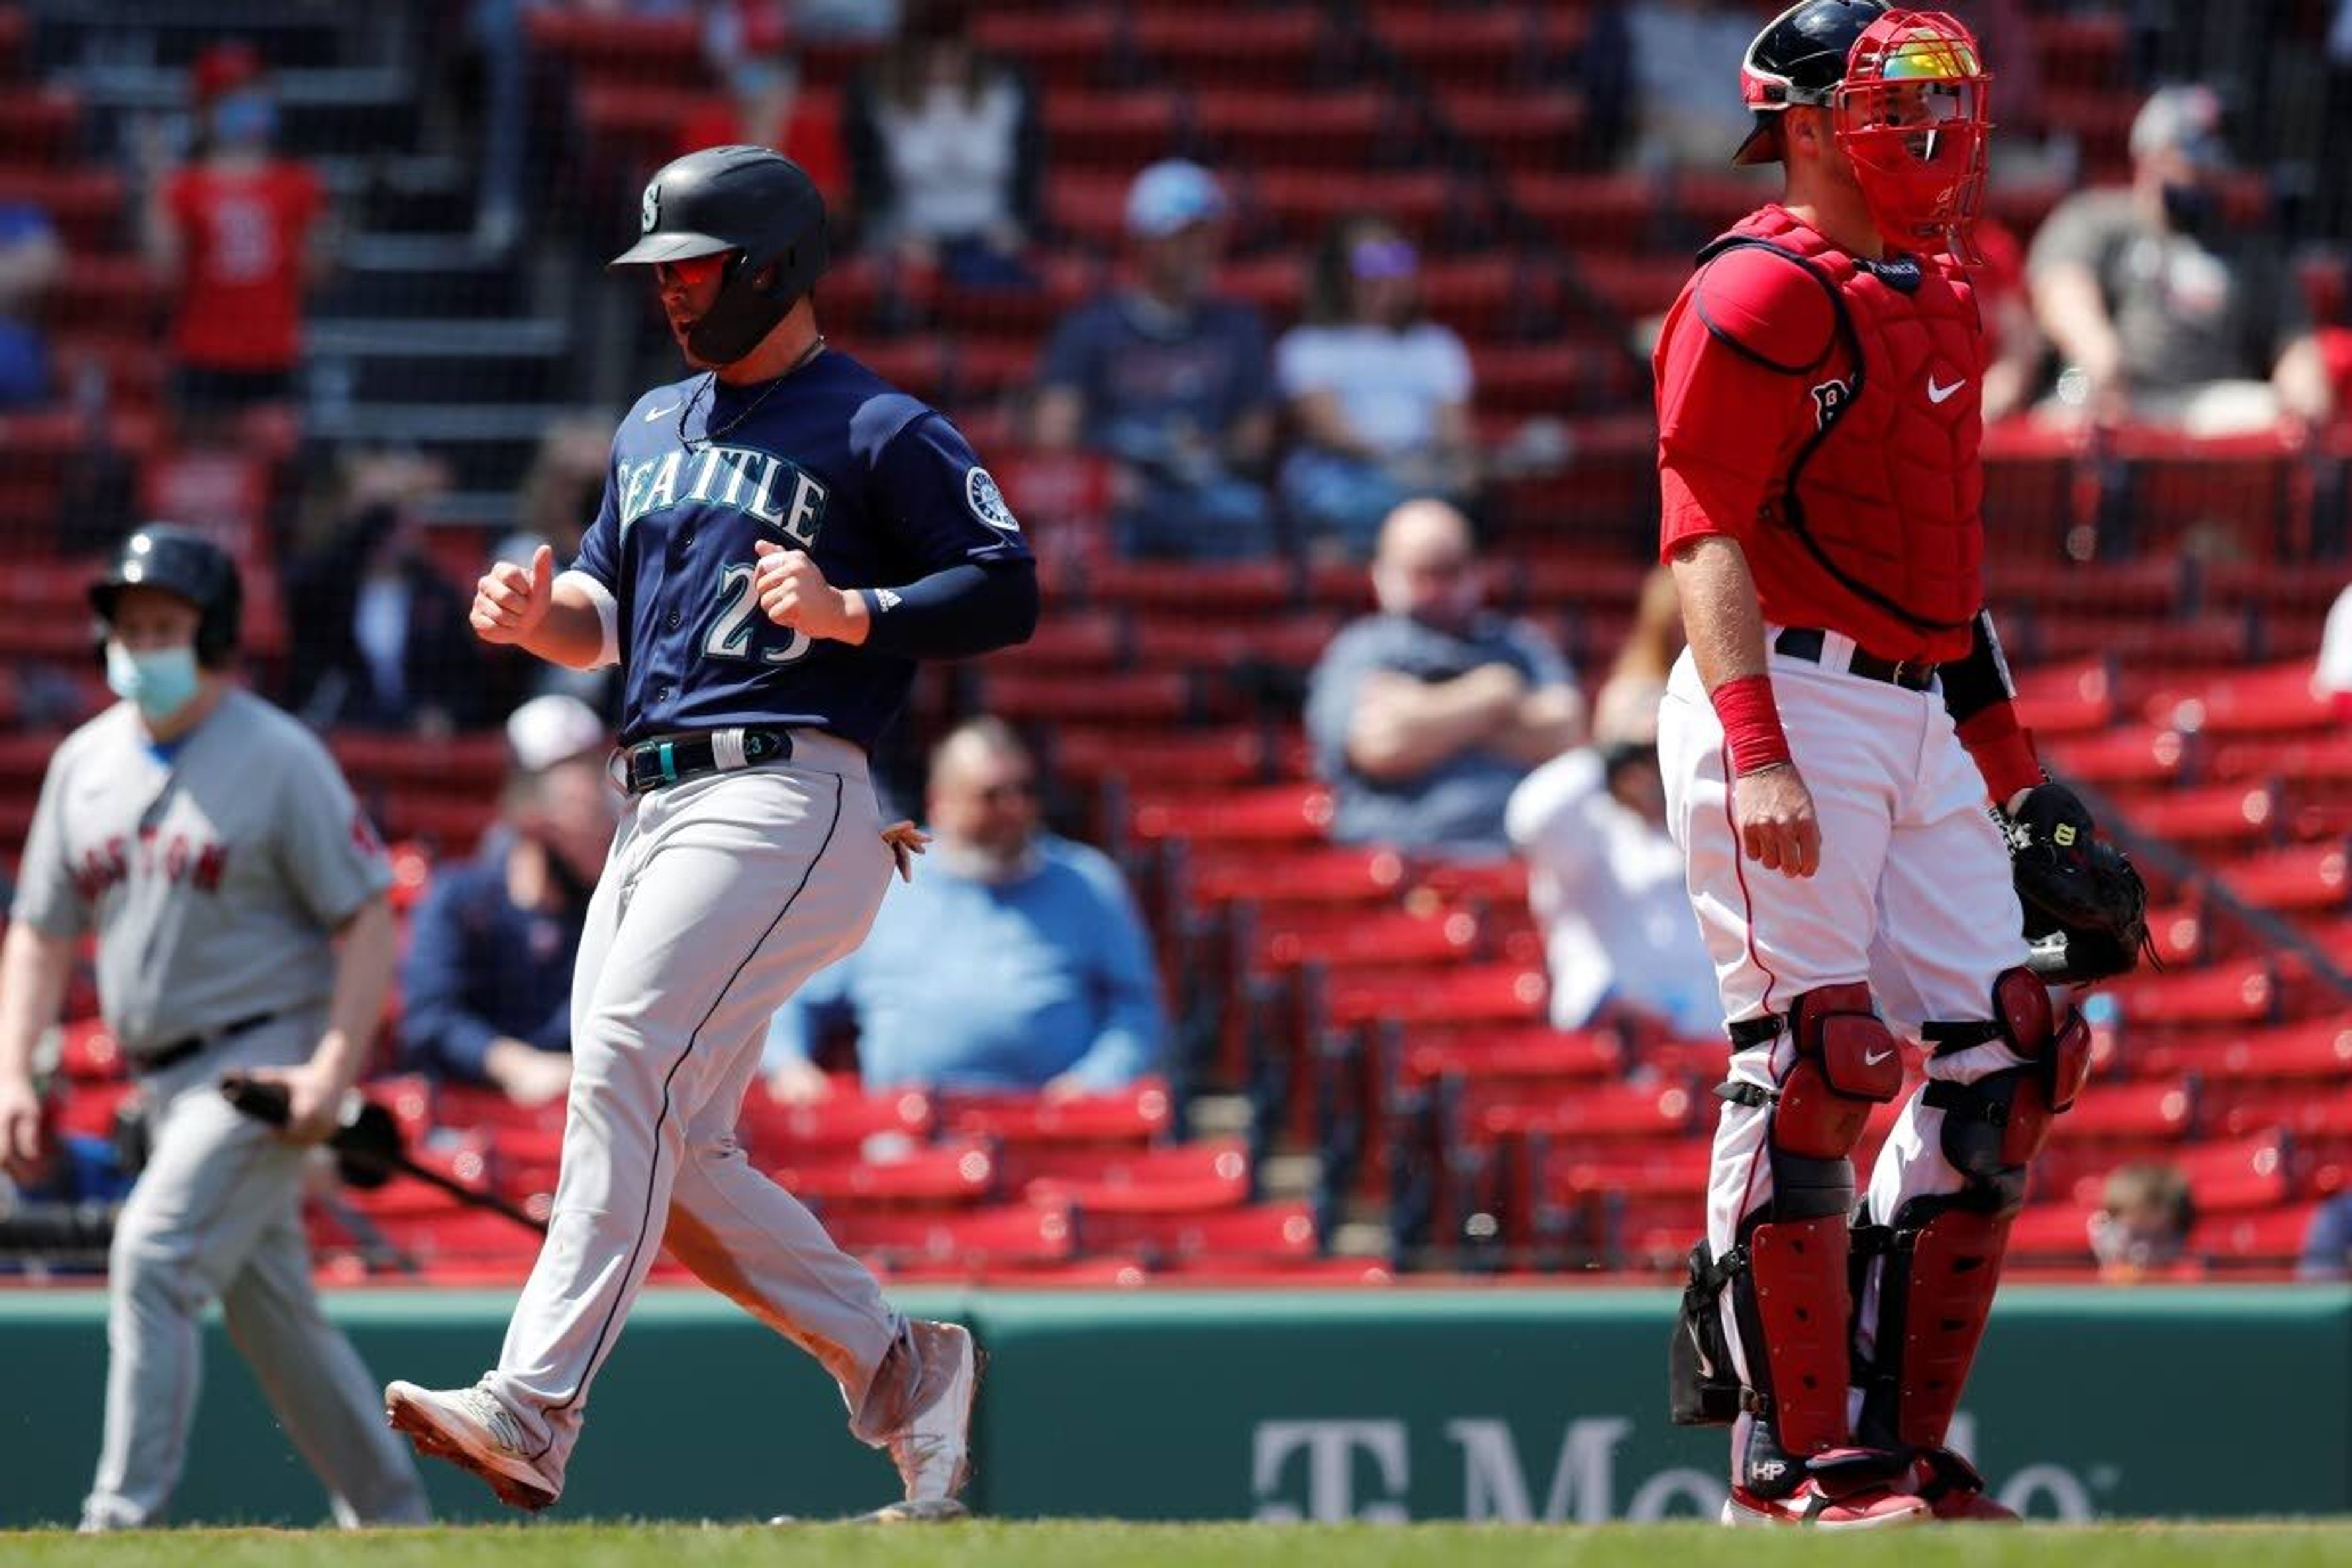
column 185, row 564
column 760, row 209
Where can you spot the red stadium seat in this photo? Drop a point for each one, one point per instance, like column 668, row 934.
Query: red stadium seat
column 1060, row 45
column 2272, row 1238
column 2107, row 1111
column 2305, row 879
column 1189, row 1178
column 1354, row 939
column 1121, row 130
column 2317, row 759
column 1073, row 642
column 2052, row 1232
column 1139, row 698
column 1295, row 813
column 1519, row 1056
column 951, row 1174
column 1262, row 1231
column 1515, row 130
column 777, row 1133
column 2233, row 1177
column 1588, row 211
column 1213, row 874
column 1134, row 1115
column 1303, row 203
column 1213, row 758
column 1295, row 642
column 2240, row 992
column 2222, row 817
column 1011, row 1233
column 1281, row 128
column 1244, row 591
column 2274, row 700
column 1611, row 1111
column 1221, row 44
column 1502, row 993
column 2122, row 757
column 1468, row 48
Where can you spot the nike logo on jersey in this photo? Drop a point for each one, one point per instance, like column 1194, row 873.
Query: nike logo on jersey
column 1871, row 1059
column 1940, row 395
column 659, row 415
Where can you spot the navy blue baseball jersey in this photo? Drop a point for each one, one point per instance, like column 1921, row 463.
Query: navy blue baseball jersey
column 877, row 487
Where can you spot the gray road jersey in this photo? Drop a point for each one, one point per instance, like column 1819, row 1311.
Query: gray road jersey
column 213, row 879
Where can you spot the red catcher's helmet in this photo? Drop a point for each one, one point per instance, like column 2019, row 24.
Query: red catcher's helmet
column 1908, row 94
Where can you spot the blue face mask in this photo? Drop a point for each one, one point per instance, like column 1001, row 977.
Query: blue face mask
column 161, row 680
column 244, row 117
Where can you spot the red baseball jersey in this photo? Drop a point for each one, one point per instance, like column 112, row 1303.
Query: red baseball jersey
column 1826, row 411
column 242, row 237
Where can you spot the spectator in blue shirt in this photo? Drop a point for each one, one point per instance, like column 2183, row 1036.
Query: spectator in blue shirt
column 2327, row 1244
column 1425, row 716
column 1014, row 961
column 30, row 259
column 486, row 983
column 1173, row 382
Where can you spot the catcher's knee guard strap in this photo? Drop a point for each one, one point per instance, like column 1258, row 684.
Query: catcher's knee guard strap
column 1999, row 1122
column 1794, row 1300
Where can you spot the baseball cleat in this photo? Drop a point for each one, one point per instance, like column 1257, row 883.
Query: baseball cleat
column 933, row 1450
column 470, row 1427
column 1866, row 1508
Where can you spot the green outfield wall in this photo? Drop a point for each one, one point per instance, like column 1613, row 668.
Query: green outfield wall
column 1502, row 1403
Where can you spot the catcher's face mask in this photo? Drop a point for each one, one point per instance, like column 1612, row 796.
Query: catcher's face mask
column 1912, row 117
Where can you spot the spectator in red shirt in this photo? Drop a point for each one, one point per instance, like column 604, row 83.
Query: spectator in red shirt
column 239, row 232
column 748, row 47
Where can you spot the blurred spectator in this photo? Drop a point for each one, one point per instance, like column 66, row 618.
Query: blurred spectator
column 30, row 259
column 1170, row 380
column 746, row 45
column 239, row 232
column 2163, row 312
column 501, row 96
column 1425, row 716
column 566, row 482
column 2142, row 1226
column 1381, row 395
column 1649, row 57
column 1013, row 960
column 1606, row 884
column 487, row 983
column 2333, row 677
column 379, row 638
column 2327, row 1244
column 947, row 150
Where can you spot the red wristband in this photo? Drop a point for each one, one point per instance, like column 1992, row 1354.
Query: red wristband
column 1752, row 723
column 2003, row 751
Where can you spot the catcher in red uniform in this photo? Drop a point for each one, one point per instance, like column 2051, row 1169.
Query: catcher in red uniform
column 1842, row 759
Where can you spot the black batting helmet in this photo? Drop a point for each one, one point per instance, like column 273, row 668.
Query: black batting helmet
column 185, row 564
column 758, row 204
column 1800, row 58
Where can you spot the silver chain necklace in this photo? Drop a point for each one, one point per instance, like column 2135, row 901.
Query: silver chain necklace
column 710, row 381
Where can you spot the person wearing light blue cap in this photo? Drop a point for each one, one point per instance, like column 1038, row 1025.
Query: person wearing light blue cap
column 1170, row 380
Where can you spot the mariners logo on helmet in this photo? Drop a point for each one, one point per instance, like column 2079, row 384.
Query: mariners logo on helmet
column 649, row 210
column 988, row 502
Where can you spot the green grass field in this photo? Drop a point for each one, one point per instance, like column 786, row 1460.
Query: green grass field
column 1092, row 1544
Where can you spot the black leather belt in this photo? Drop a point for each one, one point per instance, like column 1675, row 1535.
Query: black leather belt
column 178, row 1051
column 1808, row 643
column 655, row 764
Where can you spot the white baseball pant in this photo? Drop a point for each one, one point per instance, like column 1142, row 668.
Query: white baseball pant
column 719, row 897
column 1913, row 895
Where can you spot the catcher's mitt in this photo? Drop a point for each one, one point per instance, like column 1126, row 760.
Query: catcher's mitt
column 2085, row 906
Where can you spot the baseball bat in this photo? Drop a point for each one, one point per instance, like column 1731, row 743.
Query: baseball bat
column 369, row 1140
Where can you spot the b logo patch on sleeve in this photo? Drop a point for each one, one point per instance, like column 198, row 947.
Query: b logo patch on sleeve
column 987, row 501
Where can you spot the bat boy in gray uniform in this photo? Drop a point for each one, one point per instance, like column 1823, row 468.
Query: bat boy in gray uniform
column 210, row 842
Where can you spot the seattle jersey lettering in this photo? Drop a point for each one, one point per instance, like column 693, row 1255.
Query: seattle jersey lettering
column 778, row 493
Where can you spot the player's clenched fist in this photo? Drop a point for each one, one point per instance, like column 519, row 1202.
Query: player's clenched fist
column 1774, row 812
column 510, row 601
column 794, row 595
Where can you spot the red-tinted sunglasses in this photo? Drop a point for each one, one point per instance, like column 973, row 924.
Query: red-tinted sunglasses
column 691, row 271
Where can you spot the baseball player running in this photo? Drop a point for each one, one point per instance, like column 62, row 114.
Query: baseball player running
column 782, row 536
column 237, row 894
column 1828, row 744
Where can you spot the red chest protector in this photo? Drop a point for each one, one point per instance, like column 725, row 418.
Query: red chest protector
column 1885, row 497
